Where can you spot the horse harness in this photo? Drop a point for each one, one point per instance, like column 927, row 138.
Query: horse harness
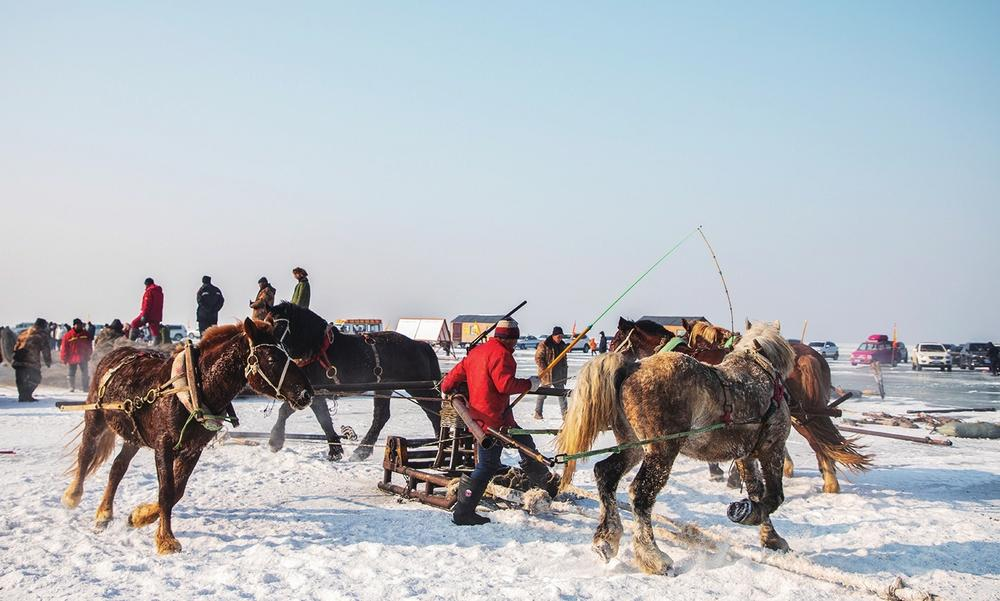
column 321, row 355
column 779, row 393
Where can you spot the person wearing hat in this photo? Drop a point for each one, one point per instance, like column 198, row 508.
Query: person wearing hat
column 300, row 296
column 32, row 346
column 104, row 341
column 264, row 301
column 545, row 354
column 210, row 301
column 487, row 376
column 151, row 312
column 74, row 351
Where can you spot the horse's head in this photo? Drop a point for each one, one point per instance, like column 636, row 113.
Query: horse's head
column 638, row 339
column 270, row 371
column 765, row 339
column 297, row 329
column 703, row 333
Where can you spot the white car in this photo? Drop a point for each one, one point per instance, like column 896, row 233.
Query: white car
column 828, row 349
column 930, row 354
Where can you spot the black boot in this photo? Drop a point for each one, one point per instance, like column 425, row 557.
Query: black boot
column 469, row 493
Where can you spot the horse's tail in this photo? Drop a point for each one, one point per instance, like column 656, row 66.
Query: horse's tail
column 819, row 430
column 104, row 445
column 594, row 408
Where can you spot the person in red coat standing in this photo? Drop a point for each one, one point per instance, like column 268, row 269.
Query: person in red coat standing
column 151, row 313
column 75, row 351
column 488, row 371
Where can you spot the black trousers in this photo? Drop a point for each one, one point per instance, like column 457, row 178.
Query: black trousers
column 28, row 379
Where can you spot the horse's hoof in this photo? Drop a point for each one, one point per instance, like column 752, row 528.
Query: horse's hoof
column 831, row 487
column 715, row 473
column 775, row 543
column 102, row 520
column 144, row 515
column 654, row 562
column 361, row 453
column 275, row 444
column 70, row 500
column 336, row 453
column 734, row 480
column 605, row 550
column 166, row 546
column 745, row 512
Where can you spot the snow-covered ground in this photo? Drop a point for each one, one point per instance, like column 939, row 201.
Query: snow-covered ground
column 290, row 525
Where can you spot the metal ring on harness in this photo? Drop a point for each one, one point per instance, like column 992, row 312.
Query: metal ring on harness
column 331, row 373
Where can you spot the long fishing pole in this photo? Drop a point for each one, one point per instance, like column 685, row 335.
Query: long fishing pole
column 606, row 311
column 711, row 251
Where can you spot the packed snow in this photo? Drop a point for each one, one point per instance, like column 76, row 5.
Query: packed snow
column 290, row 525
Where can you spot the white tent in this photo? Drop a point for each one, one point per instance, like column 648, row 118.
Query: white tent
column 426, row 329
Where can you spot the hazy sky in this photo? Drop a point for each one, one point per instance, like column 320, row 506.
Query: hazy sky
column 426, row 159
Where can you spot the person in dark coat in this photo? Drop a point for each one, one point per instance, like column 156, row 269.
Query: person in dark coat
column 545, row 354
column 602, row 344
column 300, row 296
column 75, row 351
column 31, row 348
column 210, row 301
column 488, row 374
column 151, row 312
column 264, row 301
column 993, row 353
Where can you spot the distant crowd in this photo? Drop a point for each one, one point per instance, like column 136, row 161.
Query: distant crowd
column 81, row 343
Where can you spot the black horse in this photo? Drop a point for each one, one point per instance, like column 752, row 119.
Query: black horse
column 328, row 356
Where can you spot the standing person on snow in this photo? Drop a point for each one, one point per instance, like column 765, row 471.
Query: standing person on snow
column 488, row 371
column 104, row 342
column 264, row 300
column 32, row 346
column 151, row 312
column 602, row 346
column 210, row 301
column 301, row 295
column 75, row 351
column 545, row 354
column 993, row 353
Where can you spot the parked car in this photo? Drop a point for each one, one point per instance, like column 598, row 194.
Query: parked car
column 177, row 332
column 973, row 355
column 876, row 348
column 24, row 325
column 526, row 342
column 828, row 349
column 954, row 351
column 902, row 353
column 930, row 354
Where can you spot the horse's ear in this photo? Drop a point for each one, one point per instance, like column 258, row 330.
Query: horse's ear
column 777, row 325
column 623, row 323
column 756, row 345
column 686, row 325
column 250, row 329
column 749, row 325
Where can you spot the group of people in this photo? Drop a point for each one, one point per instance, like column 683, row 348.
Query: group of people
column 81, row 342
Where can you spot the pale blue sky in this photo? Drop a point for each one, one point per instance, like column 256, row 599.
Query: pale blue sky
column 430, row 159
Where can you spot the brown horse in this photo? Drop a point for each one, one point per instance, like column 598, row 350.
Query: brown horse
column 229, row 357
column 670, row 393
column 808, row 387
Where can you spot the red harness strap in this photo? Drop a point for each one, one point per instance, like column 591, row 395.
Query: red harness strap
column 320, row 355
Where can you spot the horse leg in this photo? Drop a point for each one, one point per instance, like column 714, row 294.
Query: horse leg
column 715, row 472
column 166, row 542
column 790, row 465
column 653, row 474
column 96, row 443
column 380, row 416
column 335, row 451
column 829, row 471
column 105, row 511
column 277, row 438
column 608, row 473
column 772, row 461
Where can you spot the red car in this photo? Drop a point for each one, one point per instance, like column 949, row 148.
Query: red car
column 879, row 348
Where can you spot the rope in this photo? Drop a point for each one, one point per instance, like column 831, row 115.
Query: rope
column 564, row 458
column 711, row 251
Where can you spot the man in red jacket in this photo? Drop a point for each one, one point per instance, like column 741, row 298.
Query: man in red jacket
column 489, row 372
column 75, row 352
column 151, row 313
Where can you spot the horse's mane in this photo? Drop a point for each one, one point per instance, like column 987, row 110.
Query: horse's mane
column 713, row 335
column 309, row 327
column 219, row 335
column 766, row 339
column 651, row 327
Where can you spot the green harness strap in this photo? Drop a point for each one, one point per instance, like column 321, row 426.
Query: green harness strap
column 674, row 342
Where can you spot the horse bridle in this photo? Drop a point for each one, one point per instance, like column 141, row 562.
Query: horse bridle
column 253, row 367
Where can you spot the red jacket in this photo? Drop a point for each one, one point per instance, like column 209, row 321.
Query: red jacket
column 489, row 372
column 75, row 347
column 152, row 304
